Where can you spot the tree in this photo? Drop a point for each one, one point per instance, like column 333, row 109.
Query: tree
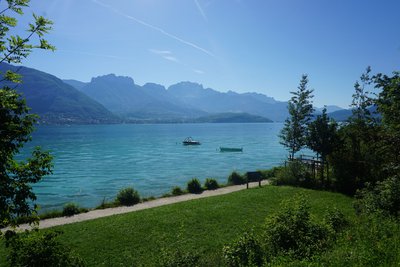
column 388, row 103
column 322, row 138
column 362, row 100
column 294, row 133
column 358, row 159
column 16, row 124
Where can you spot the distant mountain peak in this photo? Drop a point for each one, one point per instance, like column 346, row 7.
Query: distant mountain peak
column 153, row 86
column 112, row 78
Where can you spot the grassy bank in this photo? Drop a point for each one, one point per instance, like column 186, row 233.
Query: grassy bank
column 203, row 226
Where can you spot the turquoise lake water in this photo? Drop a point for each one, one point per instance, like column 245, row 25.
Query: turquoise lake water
column 93, row 162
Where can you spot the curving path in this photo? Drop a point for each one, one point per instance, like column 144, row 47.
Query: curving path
column 94, row 214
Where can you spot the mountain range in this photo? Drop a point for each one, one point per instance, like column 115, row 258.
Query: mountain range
column 55, row 101
column 113, row 99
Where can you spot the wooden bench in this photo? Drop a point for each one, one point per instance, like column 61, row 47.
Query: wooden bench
column 253, row 177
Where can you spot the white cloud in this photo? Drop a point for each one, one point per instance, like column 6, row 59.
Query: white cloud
column 160, row 30
column 199, row 71
column 160, row 52
column 166, row 54
column 171, row 58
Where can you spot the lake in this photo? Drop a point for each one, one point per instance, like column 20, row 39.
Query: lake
column 93, row 162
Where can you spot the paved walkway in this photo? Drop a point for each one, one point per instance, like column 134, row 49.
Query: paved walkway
column 94, row 214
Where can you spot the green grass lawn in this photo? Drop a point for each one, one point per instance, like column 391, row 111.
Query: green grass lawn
column 203, row 225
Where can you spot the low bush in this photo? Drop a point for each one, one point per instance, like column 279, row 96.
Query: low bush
column 372, row 240
column 270, row 173
column 336, row 220
column 70, row 209
column 292, row 232
column 382, row 198
column 178, row 258
column 128, row 197
column 177, row 191
column 295, row 173
column 194, row 186
column 236, row 178
column 39, row 249
column 211, row 184
column 245, row 251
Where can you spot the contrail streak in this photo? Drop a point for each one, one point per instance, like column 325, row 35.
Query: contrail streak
column 201, row 10
column 156, row 28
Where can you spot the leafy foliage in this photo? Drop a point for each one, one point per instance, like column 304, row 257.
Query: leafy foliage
column 388, row 104
column 270, row 173
column 236, row 178
column 211, row 184
column 70, row 209
column 14, row 48
column 245, row 251
column 371, row 240
column 358, row 157
column 336, row 220
column 293, row 135
column 177, row 191
column 194, row 186
column 382, row 198
column 178, row 258
column 291, row 231
column 37, row 249
column 295, row 173
column 322, row 138
column 16, row 124
column 128, row 196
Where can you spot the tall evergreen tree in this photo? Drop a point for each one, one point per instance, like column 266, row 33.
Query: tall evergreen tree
column 294, row 133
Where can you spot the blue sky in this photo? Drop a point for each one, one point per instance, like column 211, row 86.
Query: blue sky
column 240, row 45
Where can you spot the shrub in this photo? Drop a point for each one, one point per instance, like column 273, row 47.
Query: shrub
column 236, row 179
column 177, row 191
column 383, row 198
column 194, row 186
column 211, row 184
column 178, row 258
column 372, row 240
column 246, row 251
column 291, row 231
column 270, row 173
column 128, row 197
column 295, row 173
column 336, row 220
column 70, row 209
column 40, row 249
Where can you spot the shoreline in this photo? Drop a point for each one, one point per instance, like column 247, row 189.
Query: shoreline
column 101, row 213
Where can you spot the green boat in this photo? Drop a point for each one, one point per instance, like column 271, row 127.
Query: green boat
column 231, row 149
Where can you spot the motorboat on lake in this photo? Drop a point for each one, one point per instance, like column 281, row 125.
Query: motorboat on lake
column 189, row 142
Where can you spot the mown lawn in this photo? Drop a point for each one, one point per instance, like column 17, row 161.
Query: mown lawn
column 203, row 225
